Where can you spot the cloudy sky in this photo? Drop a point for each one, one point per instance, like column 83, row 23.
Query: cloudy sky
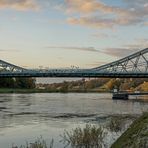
column 61, row 33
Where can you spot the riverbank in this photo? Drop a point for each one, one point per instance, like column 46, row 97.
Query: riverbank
column 15, row 90
column 136, row 136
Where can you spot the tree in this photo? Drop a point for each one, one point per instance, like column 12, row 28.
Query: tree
column 25, row 82
column 6, row 82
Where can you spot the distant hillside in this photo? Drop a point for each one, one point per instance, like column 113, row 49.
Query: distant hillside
column 143, row 87
column 127, row 84
column 98, row 84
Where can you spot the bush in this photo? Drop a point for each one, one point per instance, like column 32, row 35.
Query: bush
column 89, row 136
column 115, row 124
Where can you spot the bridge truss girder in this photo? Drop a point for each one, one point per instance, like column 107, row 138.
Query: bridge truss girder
column 134, row 66
column 9, row 68
column 135, row 63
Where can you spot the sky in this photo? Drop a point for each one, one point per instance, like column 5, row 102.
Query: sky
column 65, row 33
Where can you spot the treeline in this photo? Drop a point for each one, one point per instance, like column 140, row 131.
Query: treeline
column 125, row 84
column 17, row 83
column 101, row 84
column 82, row 85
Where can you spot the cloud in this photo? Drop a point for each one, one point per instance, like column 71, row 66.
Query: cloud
column 97, row 22
column 91, row 49
column 100, row 35
column 96, row 64
column 20, row 5
column 88, row 6
column 90, row 13
column 9, row 50
column 92, row 22
column 94, row 13
column 127, row 49
column 119, row 52
column 145, row 23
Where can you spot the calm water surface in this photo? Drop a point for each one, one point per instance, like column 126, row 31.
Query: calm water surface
column 24, row 117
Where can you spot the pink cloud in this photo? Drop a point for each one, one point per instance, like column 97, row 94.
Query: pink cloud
column 87, row 6
column 93, row 13
column 21, row 5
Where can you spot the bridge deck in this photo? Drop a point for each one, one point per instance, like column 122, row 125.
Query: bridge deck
column 74, row 74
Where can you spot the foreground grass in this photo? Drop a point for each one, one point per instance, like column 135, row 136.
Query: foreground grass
column 39, row 143
column 88, row 137
column 136, row 136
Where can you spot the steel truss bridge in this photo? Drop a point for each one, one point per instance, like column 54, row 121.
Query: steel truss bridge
column 132, row 66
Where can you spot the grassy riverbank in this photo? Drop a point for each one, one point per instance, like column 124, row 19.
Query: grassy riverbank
column 136, row 136
column 16, row 90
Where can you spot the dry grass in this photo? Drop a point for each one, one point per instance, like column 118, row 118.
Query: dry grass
column 89, row 136
column 39, row 143
column 115, row 125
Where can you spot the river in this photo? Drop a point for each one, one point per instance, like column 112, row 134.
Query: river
column 24, row 117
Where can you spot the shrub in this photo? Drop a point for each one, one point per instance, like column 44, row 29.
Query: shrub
column 89, row 136
column 115, row 125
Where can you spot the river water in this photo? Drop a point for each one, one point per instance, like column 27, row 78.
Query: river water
column 24, row 117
